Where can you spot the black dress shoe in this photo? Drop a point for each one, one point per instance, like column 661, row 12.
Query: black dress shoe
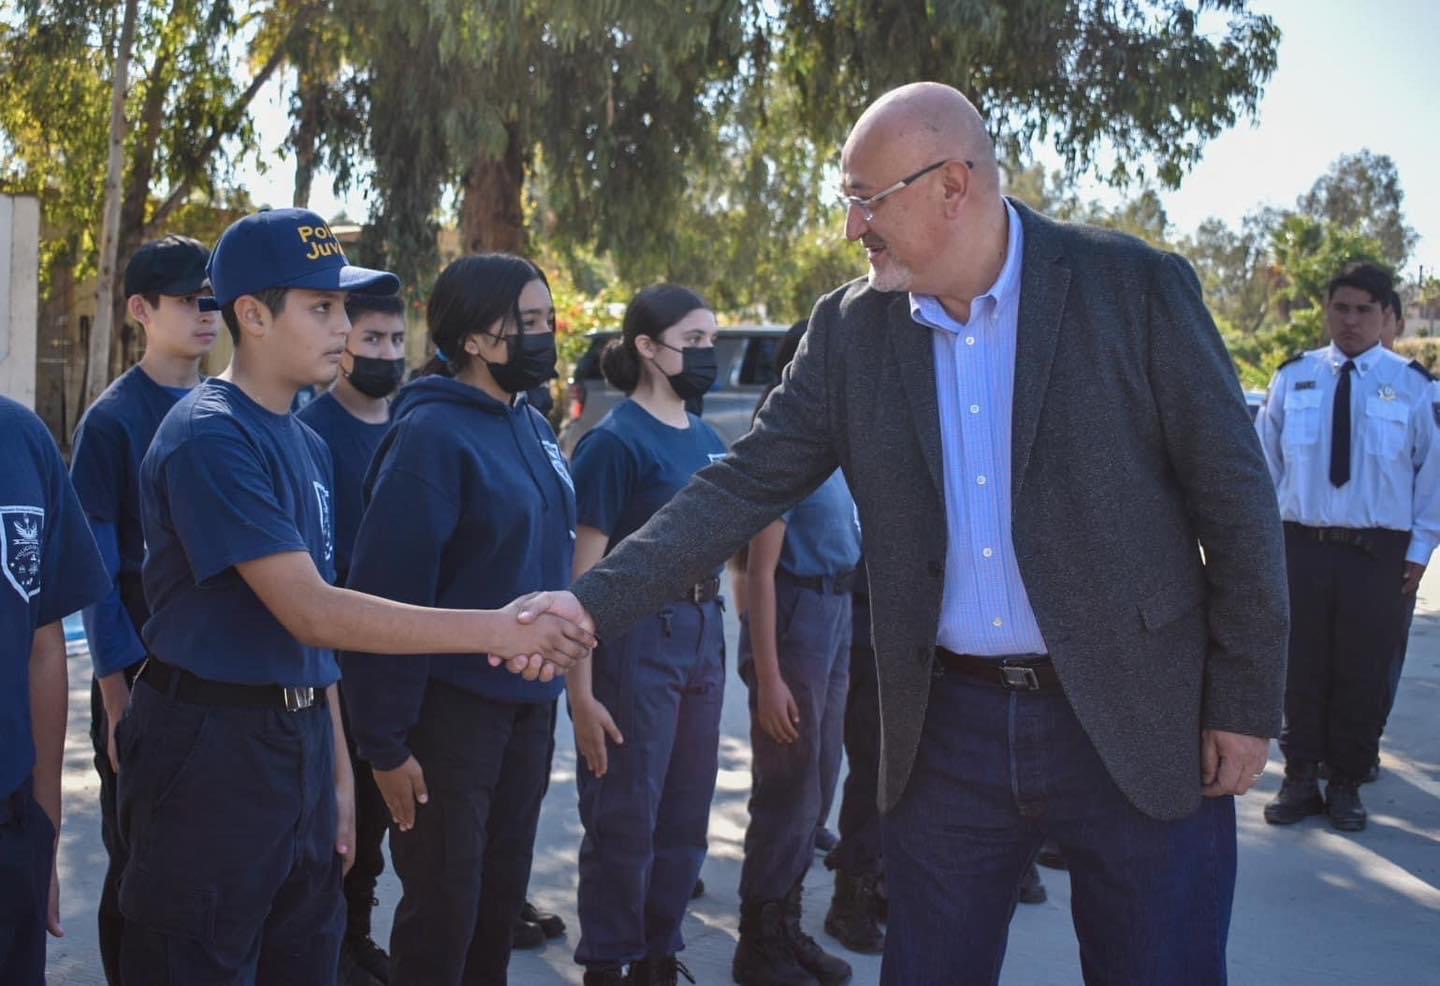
column 1299, row 795
column 1373, row 774
column 552, row 924
column 1032, row 891
column 825, row 840
column 1051, row 857
column 526, row 935
column 1342, row 804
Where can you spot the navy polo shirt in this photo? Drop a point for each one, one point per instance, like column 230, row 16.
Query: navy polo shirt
column 631, row 464
column 352, row 445
column 227, row 481
column 49, row 568
column 822, row 532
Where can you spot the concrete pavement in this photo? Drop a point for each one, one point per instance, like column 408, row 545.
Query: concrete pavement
column 1312, row 906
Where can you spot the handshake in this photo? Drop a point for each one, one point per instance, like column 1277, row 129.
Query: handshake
column 542, row 635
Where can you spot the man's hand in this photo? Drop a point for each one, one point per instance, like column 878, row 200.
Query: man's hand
column 593, row 723
column 1410, row 581
column 115, row 696
column 52, row 912
column 534, row 607
column 1231, row 763
column 403, row 788
column 776, row 713
column 345, row 818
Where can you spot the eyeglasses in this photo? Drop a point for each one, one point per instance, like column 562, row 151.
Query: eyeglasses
column 867, row 205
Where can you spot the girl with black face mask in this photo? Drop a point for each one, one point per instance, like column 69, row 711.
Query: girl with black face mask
column 467, row 499
column 646, row 708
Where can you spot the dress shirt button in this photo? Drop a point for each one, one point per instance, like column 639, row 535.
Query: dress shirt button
column 974, row 408
column 969, row 340
column 997, row 622
column 980, row 480
column 988, row 552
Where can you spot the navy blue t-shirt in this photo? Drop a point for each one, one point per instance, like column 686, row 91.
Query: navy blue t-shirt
column 352, row 444
column 225, row 482
column 105, row 467
column 49, row 568
column 469, row 504
column 631, row 464
column 822, row 532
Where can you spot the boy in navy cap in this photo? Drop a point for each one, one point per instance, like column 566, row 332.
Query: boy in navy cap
column 49, row 567
column 235, row 797
column 163, row 285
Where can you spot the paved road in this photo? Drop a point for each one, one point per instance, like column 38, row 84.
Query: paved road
column 1313, row 907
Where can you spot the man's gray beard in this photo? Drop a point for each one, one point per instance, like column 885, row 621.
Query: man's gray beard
column 895, row 277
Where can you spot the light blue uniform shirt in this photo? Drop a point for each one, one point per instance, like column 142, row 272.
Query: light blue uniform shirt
column 822, row 532
column 1394, row 470
column 985, row 609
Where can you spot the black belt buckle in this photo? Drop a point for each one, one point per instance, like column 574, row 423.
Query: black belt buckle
column 297, row 699
column 1016, row 678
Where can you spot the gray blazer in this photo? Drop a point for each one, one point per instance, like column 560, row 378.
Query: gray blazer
column 1133, row 453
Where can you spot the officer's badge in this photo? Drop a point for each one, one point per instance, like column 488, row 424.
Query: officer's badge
column 327, row 522
column 20, row 547
column 1387, row 393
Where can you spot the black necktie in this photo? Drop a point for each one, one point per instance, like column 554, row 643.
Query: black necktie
column 1340, row 429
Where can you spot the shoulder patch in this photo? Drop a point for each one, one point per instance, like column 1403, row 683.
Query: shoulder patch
column 1419, row 368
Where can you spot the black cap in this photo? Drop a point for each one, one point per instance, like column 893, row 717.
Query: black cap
column 173, row 265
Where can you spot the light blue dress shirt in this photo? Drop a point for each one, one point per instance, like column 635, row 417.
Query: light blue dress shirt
column 1394, row 464
column 985, row 609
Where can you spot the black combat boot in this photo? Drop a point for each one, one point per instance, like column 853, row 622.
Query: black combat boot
column 1342, row 804
column 658, row 972
column 606, row 976
column 765, row 955
column 851, row 919
column 1299, row 795
column 831, row 970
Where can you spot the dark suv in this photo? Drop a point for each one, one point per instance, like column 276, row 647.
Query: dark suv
column 746, row 354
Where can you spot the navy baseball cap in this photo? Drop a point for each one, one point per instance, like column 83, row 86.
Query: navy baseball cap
column 286, row 248
column 173, row 265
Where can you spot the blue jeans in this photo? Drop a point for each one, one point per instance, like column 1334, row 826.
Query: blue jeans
column 997, row 772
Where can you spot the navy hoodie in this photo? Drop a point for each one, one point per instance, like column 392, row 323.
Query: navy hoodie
column 468, row 504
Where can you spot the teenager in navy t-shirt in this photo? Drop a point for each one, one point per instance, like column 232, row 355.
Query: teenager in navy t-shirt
column 351, row 417
column 647, row 718
column 234, row 789
column 163, row 285
column 469, row 503
column 49, row 568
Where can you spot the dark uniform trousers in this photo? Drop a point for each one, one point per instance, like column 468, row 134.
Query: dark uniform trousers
column 861, row 838
column 646, row 820
column 229, row 819
column 111, row 922
column 372, row 819
column 465, row 864
column 1347, row 617
column 793, row 784
column 27, row 851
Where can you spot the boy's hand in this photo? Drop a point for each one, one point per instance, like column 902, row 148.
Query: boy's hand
column 403, row 789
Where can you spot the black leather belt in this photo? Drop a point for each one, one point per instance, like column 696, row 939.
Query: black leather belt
column 188, row 687
column 703, row 591
column 837, row 585
column 1365, row 538
column 1018, row 673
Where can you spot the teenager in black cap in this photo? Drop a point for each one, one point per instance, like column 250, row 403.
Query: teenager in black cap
column 164, row 282
column 235, row 792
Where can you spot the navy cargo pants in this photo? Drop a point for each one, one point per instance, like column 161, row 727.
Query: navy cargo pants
column 27, row 851
column 646, row 820
column 229, row 819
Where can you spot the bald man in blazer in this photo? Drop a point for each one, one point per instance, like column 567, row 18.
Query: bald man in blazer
column 1075, row 557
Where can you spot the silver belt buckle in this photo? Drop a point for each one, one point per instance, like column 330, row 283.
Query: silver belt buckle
column 298, row 698
column 1019, row 679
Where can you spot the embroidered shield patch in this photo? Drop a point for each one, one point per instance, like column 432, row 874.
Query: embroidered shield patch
column 23, row 531
column 557, row 462
column 327, row 526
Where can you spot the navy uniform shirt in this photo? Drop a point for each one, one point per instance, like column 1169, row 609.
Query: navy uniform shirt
column 1394, row 465
column 631, row 464
column 352, row 444
column 105, row 468
column 226, row 481
column 822, row 532
column 49, row 568
column 469, row 505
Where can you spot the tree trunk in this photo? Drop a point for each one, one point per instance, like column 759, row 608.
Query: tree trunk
column 492, row 216
column 307, row 134
column 97, row 366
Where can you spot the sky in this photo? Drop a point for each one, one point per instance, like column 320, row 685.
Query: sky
column 1351, row 75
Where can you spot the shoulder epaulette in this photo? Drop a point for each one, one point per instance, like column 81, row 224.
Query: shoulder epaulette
column 1293, row 359
column 1419, row 368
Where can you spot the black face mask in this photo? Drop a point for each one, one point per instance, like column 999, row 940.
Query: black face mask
column 698, row 370
column 376, row 377
column 532, row 362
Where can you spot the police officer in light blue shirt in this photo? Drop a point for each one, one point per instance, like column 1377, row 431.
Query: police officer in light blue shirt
column 1348, row 433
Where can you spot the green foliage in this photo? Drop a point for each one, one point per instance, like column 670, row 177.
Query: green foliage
column 1362, row 192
